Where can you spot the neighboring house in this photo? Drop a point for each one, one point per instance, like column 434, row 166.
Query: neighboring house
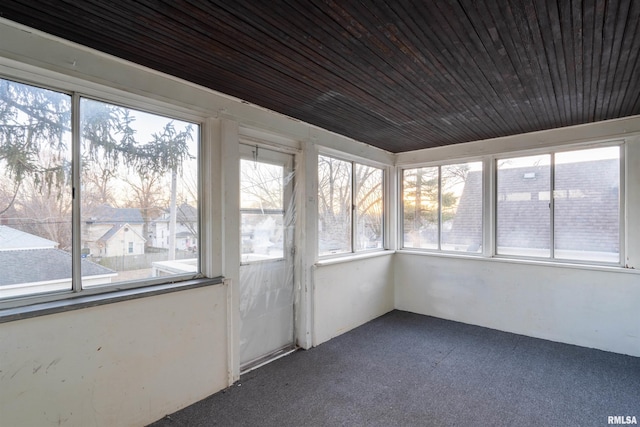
column 523, row 200
column 110, row 232
column 186, row 229
column 32, row 265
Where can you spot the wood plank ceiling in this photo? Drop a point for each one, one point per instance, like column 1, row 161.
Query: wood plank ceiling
column 399, row 75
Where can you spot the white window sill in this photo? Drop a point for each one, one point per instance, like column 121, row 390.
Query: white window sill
column 109, row 297
column 338, row 259
column 545, row 263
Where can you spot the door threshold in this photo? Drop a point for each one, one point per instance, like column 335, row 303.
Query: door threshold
column 268, row 358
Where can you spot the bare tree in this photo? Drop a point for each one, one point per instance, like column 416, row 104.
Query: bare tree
column 147, row 194
column 45, row 213
column 98, row 180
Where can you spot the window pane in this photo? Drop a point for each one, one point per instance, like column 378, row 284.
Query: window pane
column 35, row 190
column 369, row 204
column 462, row 207
column 262, row 236
column 420, row 196
column 262, row 210
column 587, row 205
column 334, row 206
column 261, row 185
column 139, row 194
column 523, row 206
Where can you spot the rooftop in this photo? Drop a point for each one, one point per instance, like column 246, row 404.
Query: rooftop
column 41, row 265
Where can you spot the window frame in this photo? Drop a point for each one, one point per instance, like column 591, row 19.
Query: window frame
column 490, row 200
column 483, row 206
column 353, row 161
column 552, row 152
column 77, row 89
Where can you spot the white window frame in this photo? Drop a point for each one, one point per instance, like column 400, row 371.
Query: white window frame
column 439, row 166
column 489, row 202
column 353, row 160
column 77, row 88
column 552, row 151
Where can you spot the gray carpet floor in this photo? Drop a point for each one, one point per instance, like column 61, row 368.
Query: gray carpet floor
column 404, row 369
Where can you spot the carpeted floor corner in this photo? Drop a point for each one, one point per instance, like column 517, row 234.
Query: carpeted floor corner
column 404, row 369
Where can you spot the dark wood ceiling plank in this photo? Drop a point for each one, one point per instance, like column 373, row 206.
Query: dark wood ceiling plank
column 539, row 57
column 588, row 18
column 468, row 46
column 596, row 58
column 551, row 31
column 630, row 51
column 407, row 34
column 618, row 56
column 334, row 90
column 529, row 64
column 577, row 49
column 630, row 81
column 609, row 56
column 569, row 27
column 462, row 68
column 510, row 48
column 383, row 51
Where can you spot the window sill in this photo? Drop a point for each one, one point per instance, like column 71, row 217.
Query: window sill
column 86, row 301
column 543, row 263
column 353, row 257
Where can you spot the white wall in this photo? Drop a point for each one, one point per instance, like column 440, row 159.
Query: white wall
column 121, row 364
column 349, row 294
column 590, row 308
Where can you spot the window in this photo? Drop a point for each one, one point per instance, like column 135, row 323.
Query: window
column 137, row 171
column 266, row 207
column 523, row 214
column 350, row 206
column 442, row 207
column 580, row 222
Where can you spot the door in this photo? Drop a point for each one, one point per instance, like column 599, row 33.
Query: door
column 266, row 270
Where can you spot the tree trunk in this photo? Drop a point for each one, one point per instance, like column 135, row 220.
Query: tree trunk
column 172, row 216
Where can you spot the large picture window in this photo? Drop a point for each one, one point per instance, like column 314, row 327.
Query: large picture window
column 561, row 205
column 138, row 192
column 442, row 207
column 350, row 206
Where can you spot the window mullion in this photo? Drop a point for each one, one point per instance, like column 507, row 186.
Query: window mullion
column 622, row 179
column 552, row 196
column 353, row 208
column 439, row 208
column 76, row 238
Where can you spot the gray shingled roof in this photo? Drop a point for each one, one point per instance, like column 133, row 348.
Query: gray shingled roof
column 106, row 214
column 10, row 238
column 588, row 221
column 39, row 265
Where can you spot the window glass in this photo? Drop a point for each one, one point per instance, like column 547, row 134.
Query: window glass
column 421, row 207
column 139, row 183
column 461, row 201
column 523, row 206
column 587, row 205
column 369, row 207
column 262, row 210
column 35, row 191
column 334, row 206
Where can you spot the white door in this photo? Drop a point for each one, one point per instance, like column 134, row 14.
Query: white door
column 266, row 270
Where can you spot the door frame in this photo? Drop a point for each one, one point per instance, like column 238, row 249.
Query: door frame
column 268, row 154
